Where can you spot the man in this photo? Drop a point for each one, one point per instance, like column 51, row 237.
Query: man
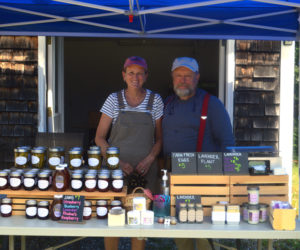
column 182, row 129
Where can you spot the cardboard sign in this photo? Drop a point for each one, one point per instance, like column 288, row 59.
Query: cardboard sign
column 209, row 163
column 235, row 163
column 72, row 208
column 184, row 163
column 186, row 199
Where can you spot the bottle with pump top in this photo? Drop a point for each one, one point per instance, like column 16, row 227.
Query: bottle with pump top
column 165, row 189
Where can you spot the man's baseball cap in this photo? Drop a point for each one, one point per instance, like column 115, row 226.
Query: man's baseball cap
column 137, row 61
column 187, row 62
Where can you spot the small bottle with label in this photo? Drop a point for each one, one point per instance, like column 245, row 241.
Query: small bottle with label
column 56, row 207
column 199, row 213
column 31, row 209
column 15, row 180
column 103, row 181
column 29, row 181
column 101, row 209
column 43, row 210
column 6, row 207
column 43, row 181
column 3, row 180
column 60, row 182
column 117, row 181
column 87, row 210
column 76, row 182
column 191, row 213
column 112, row 157
column 182, row 215
column 90, row 182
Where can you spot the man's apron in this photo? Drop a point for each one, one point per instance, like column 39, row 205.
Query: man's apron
column 133, row 132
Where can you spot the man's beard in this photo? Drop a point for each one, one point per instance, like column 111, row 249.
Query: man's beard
column 183, row 92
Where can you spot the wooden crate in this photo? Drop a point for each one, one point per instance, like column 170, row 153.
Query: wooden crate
column 19, row 197
column 211, row 188
column 283, row 219
column 271, row 187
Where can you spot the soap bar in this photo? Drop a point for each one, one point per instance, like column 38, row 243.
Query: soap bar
column 116, row 217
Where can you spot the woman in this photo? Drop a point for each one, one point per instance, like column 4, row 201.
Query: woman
column 135, row 115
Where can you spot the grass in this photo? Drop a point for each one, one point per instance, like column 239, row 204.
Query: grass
column 295, row 186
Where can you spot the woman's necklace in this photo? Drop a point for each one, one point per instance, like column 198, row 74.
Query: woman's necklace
column 135, row 100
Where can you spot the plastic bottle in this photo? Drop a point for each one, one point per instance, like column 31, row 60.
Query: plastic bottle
column 165, row 183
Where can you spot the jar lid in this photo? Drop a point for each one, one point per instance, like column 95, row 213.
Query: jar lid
column 87, row 203
column 25, row 147
column 263, row 205
column 94, row 148
column 54, row 149
column 253, row 207
column 117, row 174
column 191, row 205
column 77, row 175
column 58, row 196
column 21, row 150
column 90, row 176
column 31, row 202
column 103, row 175
column 253, row 188
column 7, row 170
column 43, row 174
column 15, row 174
column 182, row 204
column 3, row 173
column 199, row 205
column 101, row 202
column 6, row 200
column 115, row 203
column 29, row 174
column 113, row 150
column 94, row 152
column 59, row 167
column 43, row 203
column 73, row 151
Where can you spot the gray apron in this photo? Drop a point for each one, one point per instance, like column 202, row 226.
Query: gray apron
column 133, row 132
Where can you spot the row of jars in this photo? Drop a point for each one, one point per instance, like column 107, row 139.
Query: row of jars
column 43, row 210
column 61, row 180
column 253, row 214
column 37, row 157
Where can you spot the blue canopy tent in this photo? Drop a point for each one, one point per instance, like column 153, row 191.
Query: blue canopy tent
column 195, row 19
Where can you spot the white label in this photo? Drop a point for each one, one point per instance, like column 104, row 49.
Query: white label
column 35, row 159
column 76, row 184
column 76, row 162
column 21, row 160
column 90, row 183
column 101, row 211
column 43, row 184
column 3, row 182
column 31, row 211
column 93, row 162
column 6, row 209
column 15, row 182
column 102, row 184
column 54, row 161
column 87, row 211
column 117, row 184
column 113, row 160
column 43, row 212
column 28, row 182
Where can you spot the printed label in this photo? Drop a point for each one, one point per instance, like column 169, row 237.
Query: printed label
column 28, row 182
column 21, row 160
column 54, row 161
column 59, row 182
column 76, row 162
column 31, row 211
column 35, row 159
column 102, row 184
column 101, row 211
column 76, row 184
column 93, row 162
column 57, row 210
column 90, row 183
column 3, row 182
column 43, row 212
column 6, row 209
column 117, row 184
column 113, row 160
column 43, row 184
column 87, row 211
column 15, row 182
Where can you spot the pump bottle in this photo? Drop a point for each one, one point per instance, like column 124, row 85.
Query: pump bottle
column 165, row 183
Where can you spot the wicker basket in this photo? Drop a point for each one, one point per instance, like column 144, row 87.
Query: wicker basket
column 128, row 200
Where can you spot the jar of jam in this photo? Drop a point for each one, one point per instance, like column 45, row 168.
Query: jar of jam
column 6, row 207
column 56, row 207
column 117, row 181
column 263, row 215
column 103, row 181
column 55, row 157
column 253, row 195
column 3, row 180
column 31, row 209
column 112, row 157
column 75, row 158
column 116, row 204
column 87, row 210
column 43, row 181
column 60, row 181
column 101, row 209
column 253, row 214
column 76, row 182
column 15, row 180
column 43, row 210
column 29, row 181
column 90, row 182
column 38, row 157
column 94, row 158
column 21, row 157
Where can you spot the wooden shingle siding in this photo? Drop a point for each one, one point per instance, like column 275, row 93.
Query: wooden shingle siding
column 18, row 94
column 256, row 98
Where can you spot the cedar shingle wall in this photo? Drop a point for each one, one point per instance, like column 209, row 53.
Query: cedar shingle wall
column 18, row 94
column 256, row 109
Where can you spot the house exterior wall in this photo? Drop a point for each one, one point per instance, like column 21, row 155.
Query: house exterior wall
column 18, row 94
column 257, row 93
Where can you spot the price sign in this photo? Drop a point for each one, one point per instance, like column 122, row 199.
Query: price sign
column 209, row 163
column 186, row 199
column 235, row 163
column 72, row 208
column 184, row 163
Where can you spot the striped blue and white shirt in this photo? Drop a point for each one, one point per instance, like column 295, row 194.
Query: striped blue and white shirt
column 111, row 106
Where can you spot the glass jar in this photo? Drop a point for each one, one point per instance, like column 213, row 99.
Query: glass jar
column 103, row 181
column 253, row 195
column 182, row 214
column 43, row 181
column 75, row 158
column 3, row 180
column 199, row 213
column 245, row 211
column 191, row 213
column 117, row 181
column 6, row 207
column 101, row 209
column 31, row 209
column 116, row 204
column 94, row 158
column 21, row 157
column 253, row 214
column 67, row 173
column 90, row 182
column 112, row 157
column 43, row 210
column 76, row 182
column 60, row 182
column 87, row 210
column 38, row 157
column 55, row 157
column 29, row 181
column 15, row 180
column 56, row 207
column 263, row 215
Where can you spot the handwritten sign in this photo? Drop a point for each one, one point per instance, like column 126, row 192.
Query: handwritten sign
column 72, row 208
column 186, row 199
column 209, row 163
column 184, row 163
column 235, row 163
column 2, row 196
